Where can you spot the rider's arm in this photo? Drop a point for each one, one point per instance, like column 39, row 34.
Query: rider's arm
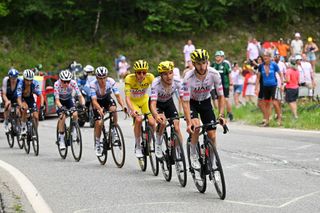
column 221, row 101
column 120, row 101
column 58, row 103
column 19, row 93
column 78, row 93
column 4, row 89
column 153, row 109
column 127, row 92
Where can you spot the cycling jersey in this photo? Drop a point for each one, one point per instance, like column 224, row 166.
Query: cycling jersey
column 11, row 94
column 269, row 80
column 35, row 89
column 195, row 89
column 162, row 94
column 135, row 90
column 224, row 70
column 110, row 87
column 65, row 93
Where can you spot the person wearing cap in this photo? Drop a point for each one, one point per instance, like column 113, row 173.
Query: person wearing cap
column 310, row 49
column 307, row 78
column 296, row 45
column 292, row 85
column 225, row 72
column 283, row 49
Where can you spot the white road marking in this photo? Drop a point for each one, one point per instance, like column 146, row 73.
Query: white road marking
column 302, row 147
column 250, row 204
column 298, row 198
column 34, row 197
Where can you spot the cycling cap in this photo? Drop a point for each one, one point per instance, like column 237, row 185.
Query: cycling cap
column 101, row 72
column 140, row 65
column 28, row 74
column 13, row 72
column 199, row 55
column 65, row 75
column 88, row 69
column 165, row 66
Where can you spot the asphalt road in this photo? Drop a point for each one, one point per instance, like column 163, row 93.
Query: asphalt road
column 266, row 170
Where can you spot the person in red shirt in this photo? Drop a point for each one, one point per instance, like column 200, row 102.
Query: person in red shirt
column 292, row 86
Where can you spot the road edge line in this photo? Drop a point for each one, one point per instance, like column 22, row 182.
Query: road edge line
column 37, row 202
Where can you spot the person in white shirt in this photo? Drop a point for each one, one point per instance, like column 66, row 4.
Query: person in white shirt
column 252, row 50
column 123, row 68
column 187, row 50
column 306, row 74
column 237, row 80
column 296, row 45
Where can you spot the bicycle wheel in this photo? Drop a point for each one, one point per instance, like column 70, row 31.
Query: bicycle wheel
column 118, row 146
column 10, row 137
column 63, row 153
column 151, row 151
column 180, row 161
column 143, row 161
column 103, row 158
column 17, row 130
column 76, row 141
column 35, row 138
column 165, row 161
column 216, row 173
column 26, row 144
column 198, row 177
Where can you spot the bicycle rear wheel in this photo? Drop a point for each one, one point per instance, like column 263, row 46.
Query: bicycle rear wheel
column 198, row 176
column 151, row 151
column 180, row 161
column 118, row 146
column 216, row 172
column 26, row 144
column 35, row 138
column 63, row 153
column 76, row 141
column 10, row 139
column 165, row 161
column 103, row 158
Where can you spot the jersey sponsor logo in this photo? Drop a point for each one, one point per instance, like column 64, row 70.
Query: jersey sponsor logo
column 201, row 89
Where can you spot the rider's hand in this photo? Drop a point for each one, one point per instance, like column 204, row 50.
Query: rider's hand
column 159, row 119
column 100, row 111
column 7, row 104
column 222, row 120
column 125, row 109
column 133, row 113
column 189, row 128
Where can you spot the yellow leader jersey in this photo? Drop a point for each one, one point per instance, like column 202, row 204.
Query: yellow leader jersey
column 135, row 90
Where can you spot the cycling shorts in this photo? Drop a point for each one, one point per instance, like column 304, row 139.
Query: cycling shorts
column 204, row 108
column 68, row 104
column 141, row 106
column 106, row 103
column 31, row 103
column 168, row 107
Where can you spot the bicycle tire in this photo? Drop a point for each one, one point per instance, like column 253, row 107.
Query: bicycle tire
column 151, row 151
column 26, row 144
column 201, row 184
column 35, row 138
column 10, row 139
column 76, row 143
column 166, row 166
column 143, row 161
column 103, row 158
column 118, row 145
column 180, row 157
column 216, row 168
column 17, row 131
column 63, row 153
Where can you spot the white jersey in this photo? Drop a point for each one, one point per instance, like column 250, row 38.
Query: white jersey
column 195, row 89
column 96, row 92
column 163, row 94
column 65, row 93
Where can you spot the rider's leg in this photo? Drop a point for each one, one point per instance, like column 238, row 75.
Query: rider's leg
column 115, row 114
column 24, row 117
column 137, row 130
column 36, row 117
column 176, row 124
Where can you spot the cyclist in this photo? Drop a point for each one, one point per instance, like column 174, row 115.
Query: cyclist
column 85, row 80
column 197, row 85
column 162, row 89
column 26, row 88
column 100, row 91
column 137, row 99
column 222, row 66
column 9, row 94
column 63, row 93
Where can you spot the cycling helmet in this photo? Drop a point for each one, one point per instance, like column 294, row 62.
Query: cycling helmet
column 101, row 72
column 65, row 75
column 141, row 65
column 28, row 74
column 165, row 66
column 199, row 55
column 88, row 69
column 13, row 73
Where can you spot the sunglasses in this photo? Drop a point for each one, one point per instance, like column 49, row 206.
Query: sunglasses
column 141, row 72
column 66, row 82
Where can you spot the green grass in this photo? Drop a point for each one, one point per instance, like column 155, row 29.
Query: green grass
column 308, row 118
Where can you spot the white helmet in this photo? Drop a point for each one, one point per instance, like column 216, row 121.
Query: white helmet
column 101, row 72
column 28, row 74
column 65, row 75
column 88, row 69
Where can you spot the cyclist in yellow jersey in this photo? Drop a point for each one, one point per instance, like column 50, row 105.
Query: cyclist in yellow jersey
column 137, row 99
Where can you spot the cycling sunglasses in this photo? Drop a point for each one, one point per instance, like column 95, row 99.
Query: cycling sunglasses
column 141, row 72
column 66, row 82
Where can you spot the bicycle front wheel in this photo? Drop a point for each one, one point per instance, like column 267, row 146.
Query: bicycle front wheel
column 76, row 141
column 103, row 158
column 216, row 172
column 118, row 146
column 151, row 150
column 10, row 139
column 35, row 138
column 26, row 144
column 62, row 152
column 180, row 161
column 165, row 161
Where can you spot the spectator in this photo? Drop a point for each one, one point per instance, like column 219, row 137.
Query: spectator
column 237, row 83
column 252, row 50
column 123, row 68
column 310, row 49
column 296, row 45
column 249, row 85
column 279, row 89
column 267, row 72
column 188, row 68
column 257, row 62
column 187, row 50
column 307, row 78
column 283, row 50
column 292, row 85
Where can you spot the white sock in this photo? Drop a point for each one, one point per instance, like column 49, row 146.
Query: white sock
column 97, row 141
column 61, row 136
column 138, row 142
column 193, row 149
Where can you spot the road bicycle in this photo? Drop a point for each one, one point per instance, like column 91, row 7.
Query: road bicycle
column 210, row 164
column 112, row 139
column 14, row 127
column 173, row 154
column 72, row 136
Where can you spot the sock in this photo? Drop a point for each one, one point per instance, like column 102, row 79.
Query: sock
column 193, row 149
column 61, row 136
column 138, row 142
column 97, row 141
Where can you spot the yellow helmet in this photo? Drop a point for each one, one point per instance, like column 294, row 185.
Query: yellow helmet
column 141, row 65
column 165, row 66
column 199, row 55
